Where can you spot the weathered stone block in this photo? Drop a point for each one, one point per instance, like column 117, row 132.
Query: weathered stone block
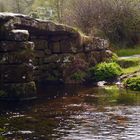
column 17, row 78
column 15, row 35
column 68, row 47
column 55, row 47
column 16, row 73
column 106, row 54
column 99, row 44
column 55, row 58
column 42, row 68
column 57, row 38
column 82, row 56
column 39, row 54
column 7, row 46
column 4, row 17
column 71, row 46
column 16, row 57
column 95, row 44
column 20, row 90
column 40, row 44
column 50, row 66
column 94, row 57
column 48, row 52
column 38, row 61
column 67, row 58
column 51, row 72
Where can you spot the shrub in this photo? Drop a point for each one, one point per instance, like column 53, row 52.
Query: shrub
column 133, row 83
column 79, row 76
column 113, row 58
column 106, row 71
column 118, row 20
column 75, row 71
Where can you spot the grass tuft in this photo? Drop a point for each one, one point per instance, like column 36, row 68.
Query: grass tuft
column 128, row 51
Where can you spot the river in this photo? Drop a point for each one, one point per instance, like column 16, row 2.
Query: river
column 73, row 113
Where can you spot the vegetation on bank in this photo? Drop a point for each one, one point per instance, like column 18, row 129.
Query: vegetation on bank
column 105, row 71
column 127, row 51
column 128, row 62
column 1, row 137
column 129, row 65
column 133, row 83
column 79, row 76
column 131, row 68
column 109, row 71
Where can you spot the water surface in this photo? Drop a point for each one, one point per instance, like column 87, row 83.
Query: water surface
column 73, row 113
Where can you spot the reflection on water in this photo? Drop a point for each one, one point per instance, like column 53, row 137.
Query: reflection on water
column 73, row 113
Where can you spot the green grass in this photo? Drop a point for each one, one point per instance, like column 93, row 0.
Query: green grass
column 131, row 69
column 128, row 51
column 128, row 62
column 2, row 138
column 129, row 65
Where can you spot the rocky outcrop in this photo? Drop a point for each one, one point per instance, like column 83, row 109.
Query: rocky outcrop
column 33, row 51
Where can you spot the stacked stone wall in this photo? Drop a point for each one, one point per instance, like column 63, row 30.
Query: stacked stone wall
column 33, row 51
column 16, row 64
column 56, row 51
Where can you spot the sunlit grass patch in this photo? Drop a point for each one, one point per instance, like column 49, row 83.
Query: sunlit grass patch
column 128, row 51
column 129, row 62
column 131, row 69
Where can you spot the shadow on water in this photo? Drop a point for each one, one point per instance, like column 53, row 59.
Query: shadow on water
column 44, row 94
column 73, row 112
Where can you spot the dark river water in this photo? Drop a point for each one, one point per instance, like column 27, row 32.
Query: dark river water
column 73, row 113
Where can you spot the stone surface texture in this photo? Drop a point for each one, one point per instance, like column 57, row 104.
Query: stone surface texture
column 32, row 50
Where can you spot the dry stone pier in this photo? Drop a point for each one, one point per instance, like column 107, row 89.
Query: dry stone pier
column 32, row 51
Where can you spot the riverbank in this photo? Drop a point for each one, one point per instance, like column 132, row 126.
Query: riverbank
column 131, row 71
column 127, row 51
